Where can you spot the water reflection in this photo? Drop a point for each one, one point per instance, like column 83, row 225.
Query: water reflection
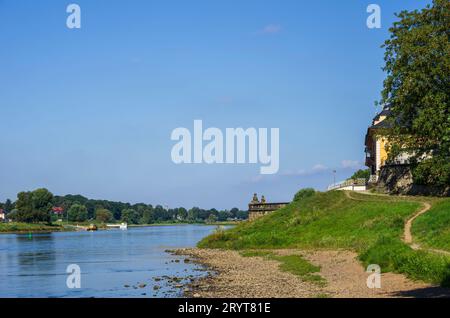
column 35, row 251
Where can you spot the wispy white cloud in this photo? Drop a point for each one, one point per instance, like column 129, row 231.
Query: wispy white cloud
column 317, row 176
column 318, row 168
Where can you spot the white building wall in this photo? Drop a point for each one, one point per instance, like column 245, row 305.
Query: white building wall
column 353, row 188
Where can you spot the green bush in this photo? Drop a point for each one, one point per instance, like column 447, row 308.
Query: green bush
column 304, row 193
column 434, row 172
column 361, row 174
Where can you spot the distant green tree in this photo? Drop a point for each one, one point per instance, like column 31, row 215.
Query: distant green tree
column 77, row 213
column 242, row 215
column 361, row 174
column 304, row 193
column 193, row 214
column 234, row 212
column 223, row 215
column 182, row 214
column 103, row 215
column 13, row 215
column 130, row 216
column 211, row 218
column 159, row 213
column 417, row 90
column 140, row 208
column 8, row 206
column 34, row 206
column 147, row 216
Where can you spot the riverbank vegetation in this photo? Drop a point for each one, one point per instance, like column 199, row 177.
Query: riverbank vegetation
column 370, row 225
column 18, row 227
column 42, row 207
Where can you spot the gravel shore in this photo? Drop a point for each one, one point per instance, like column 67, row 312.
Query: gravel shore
column 257, row 277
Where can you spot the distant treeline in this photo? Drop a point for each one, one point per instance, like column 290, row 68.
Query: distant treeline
column 39, row 206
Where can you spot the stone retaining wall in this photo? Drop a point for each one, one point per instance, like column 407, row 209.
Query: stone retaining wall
column 398, row 179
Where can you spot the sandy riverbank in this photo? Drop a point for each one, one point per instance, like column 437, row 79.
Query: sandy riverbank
column 256, row 277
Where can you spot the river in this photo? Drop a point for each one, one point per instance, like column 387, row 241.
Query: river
column 113, row 263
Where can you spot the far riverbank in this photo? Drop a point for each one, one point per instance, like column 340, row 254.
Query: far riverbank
column 35, row 228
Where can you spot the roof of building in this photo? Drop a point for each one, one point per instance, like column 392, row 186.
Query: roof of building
column 382, row 124
column 385, row 112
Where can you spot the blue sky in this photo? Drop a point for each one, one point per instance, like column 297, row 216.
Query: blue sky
column 90, row 111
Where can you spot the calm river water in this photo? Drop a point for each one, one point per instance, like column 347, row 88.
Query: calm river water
column 113, row 263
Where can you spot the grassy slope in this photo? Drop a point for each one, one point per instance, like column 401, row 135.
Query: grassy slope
column 325, row 220
column 433, row 228
column 372, row 227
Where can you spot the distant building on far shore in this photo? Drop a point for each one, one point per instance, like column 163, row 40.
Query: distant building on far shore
column 58, row 210
column 2, row 215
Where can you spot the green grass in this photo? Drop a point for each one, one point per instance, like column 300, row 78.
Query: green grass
column 294, row 264
column 433, row 228
column 16, row 227
column 372, row 226
column 393, row 255
column 297, row 265
column 328, row 220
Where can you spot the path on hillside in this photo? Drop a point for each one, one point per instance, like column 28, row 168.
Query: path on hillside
column 407, row 235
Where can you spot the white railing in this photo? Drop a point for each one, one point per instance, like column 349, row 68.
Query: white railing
column 122, row 226
column 347, row 183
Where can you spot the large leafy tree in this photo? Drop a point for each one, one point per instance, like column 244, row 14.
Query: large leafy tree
column 130, row 216
column 33, row 206
column 417, row 89
column 103, row 215
column 147, row 216
column 77, row 213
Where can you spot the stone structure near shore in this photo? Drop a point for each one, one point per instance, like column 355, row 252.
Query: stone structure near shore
column 257, row 209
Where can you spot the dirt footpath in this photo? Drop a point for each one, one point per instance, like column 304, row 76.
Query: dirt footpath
column 258, row 277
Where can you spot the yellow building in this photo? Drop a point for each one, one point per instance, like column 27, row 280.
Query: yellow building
column 376, row 154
